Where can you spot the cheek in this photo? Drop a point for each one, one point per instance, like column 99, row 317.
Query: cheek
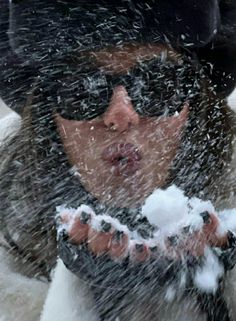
column 84, row 146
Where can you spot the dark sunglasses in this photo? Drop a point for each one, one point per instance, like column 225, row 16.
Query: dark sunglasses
column 155, row 87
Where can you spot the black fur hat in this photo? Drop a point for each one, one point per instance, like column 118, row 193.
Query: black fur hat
column 41, row 29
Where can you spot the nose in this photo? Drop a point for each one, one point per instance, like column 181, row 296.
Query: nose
column 120, row 114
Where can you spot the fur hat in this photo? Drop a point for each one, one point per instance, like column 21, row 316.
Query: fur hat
column 41, row 29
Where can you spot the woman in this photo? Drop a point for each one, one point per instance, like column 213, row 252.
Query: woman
column 119, row 88
column 121, row 152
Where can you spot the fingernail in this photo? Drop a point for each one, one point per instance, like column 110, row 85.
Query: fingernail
column 84, row 217
column 173, row 240
column 64, row 235
column 139, row 247
column 186, row 229
column 118, row 236
column 153, row 249
column 206, row 217
column 106, row 227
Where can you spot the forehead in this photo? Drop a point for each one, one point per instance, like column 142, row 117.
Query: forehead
column 118, row 59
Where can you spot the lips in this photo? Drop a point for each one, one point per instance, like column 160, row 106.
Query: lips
column 123, row 157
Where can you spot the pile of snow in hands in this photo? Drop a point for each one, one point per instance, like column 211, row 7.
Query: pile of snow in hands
column 169, row 211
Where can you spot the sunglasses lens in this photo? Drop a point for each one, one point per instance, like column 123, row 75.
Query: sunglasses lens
column 83, row 96
column 156, row 88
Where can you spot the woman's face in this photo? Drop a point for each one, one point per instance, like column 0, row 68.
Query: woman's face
column 122, row 155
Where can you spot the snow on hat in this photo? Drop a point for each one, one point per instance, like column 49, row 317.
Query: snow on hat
column 41, row 29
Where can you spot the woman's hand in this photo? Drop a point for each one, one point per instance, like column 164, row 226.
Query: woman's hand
column 105, row 236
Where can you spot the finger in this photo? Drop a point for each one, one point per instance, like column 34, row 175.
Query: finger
column 119, row 245
column 79, row 228
column 99, row 238
column 212, row 232
column 139, row 252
